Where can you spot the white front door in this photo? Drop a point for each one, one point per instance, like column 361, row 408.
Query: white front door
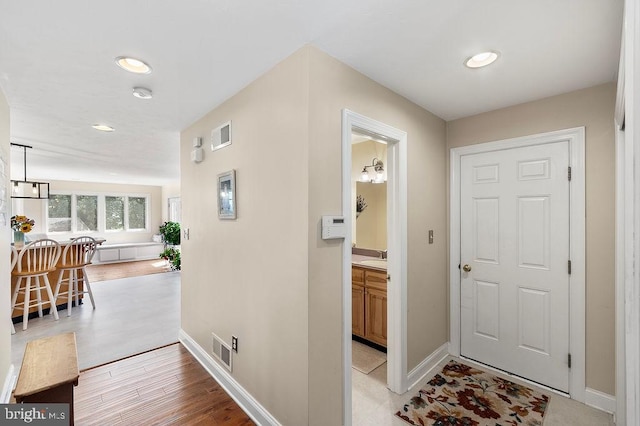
column 515, row 227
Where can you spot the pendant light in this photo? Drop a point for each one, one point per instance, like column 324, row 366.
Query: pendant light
column 28, row 188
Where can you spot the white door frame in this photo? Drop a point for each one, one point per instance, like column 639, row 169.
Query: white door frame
column 396, row 247
column 576, row 138
column 628, row 222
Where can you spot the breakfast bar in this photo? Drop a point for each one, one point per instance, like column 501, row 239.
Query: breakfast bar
column 53, row 279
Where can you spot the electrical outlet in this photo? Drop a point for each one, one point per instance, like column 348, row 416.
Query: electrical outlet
column 234, row 344
column 186, row 234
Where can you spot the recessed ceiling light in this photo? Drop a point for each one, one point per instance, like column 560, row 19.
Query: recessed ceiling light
column 103, row 127
column 142, row 93
column 482, row 59
column 133, row 65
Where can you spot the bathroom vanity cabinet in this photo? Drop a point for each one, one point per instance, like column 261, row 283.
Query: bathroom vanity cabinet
column 369, row 304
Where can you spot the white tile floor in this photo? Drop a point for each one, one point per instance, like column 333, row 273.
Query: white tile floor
column 375, row 405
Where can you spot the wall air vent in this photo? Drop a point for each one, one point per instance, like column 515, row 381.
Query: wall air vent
column 221, row 136
column 222, row 351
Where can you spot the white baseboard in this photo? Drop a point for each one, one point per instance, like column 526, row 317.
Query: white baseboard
column 243, row 398
column 600, row 400
column 427, row 365
column 9, row 382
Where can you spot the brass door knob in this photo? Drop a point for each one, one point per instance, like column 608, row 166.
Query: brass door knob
column 466, row 268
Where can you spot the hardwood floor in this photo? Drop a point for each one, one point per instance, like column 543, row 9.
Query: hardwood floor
column 161, row 387
column 116, row 271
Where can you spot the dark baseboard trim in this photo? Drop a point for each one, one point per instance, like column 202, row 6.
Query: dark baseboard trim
column 369, row 343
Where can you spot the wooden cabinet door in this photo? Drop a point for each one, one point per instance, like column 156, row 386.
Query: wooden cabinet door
column 357, row 275
column 357, row 310
column 376, row 318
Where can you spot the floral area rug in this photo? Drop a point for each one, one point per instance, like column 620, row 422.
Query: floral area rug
column 464, row 396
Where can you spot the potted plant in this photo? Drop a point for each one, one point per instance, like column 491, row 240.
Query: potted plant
column 172, row 255
column 170, row 232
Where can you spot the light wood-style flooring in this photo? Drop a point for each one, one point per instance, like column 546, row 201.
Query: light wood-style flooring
column 132, row 315
column 161, row 387
column 115, row 271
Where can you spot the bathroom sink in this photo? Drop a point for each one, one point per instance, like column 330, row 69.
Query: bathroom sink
column 375, row 263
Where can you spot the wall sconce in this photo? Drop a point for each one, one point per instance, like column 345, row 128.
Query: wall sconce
column 378, row 168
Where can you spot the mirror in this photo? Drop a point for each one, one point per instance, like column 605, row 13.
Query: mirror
column 371, row 223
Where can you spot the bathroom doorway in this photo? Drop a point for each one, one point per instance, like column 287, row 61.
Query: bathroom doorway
column 381, row 267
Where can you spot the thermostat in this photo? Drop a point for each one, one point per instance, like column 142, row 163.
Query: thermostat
column 333, row 227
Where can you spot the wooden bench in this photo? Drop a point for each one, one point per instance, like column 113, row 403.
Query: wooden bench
column 49, row 371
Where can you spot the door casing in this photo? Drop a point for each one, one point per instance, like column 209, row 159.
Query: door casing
column 397, row 248
column 576, row 138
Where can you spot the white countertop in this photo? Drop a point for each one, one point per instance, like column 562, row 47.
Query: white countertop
column 369, row 262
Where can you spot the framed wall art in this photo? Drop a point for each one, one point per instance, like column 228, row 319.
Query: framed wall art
column 227, row 208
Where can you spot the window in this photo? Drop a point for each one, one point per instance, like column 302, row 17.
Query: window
column 137, row 213
column 115, row 213
column 82, row 213
column 59, row 213
column 87, row 212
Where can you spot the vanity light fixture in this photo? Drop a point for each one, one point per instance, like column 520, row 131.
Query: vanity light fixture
column 142, row 93
column 103, row 127
column 38, row 190
column 133, row 65
column 482, row 59
column 378, row 167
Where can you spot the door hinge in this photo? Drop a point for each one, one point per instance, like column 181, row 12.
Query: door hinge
column 569, row 360
column 569, row 267
column 569, row 174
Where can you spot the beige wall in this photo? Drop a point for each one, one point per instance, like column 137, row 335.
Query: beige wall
column 268, row 277
column 248, row 277
column 5, row 244
column 35, row 209
column 334, row 86
column 592, row 108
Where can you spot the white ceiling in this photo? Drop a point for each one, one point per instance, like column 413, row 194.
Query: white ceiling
column 57, row 65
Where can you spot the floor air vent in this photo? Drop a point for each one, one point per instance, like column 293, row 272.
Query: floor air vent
column 222, row 351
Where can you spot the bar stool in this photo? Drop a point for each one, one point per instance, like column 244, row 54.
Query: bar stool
column 14, row 260
column 75, row 257
column 35, row 260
